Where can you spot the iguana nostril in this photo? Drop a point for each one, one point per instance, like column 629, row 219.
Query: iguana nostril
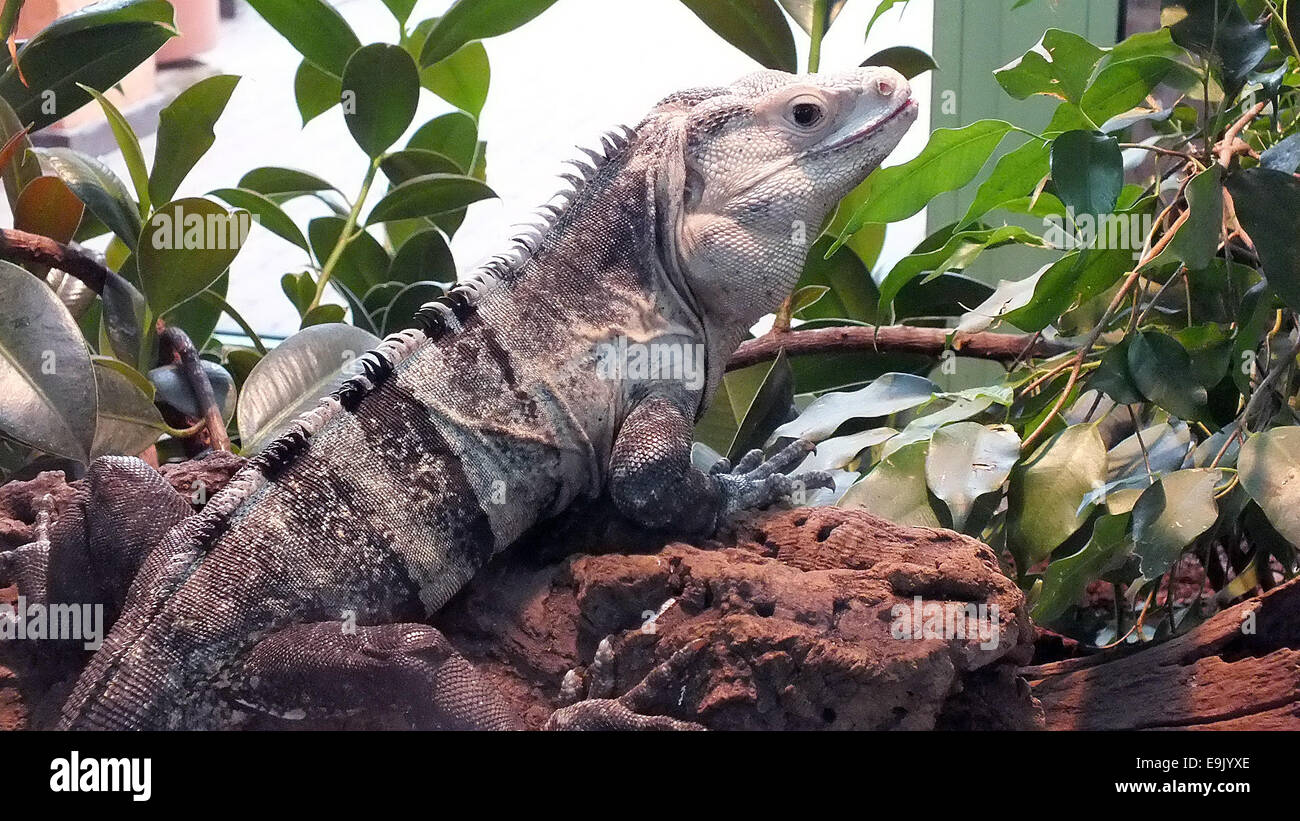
column 885, row 86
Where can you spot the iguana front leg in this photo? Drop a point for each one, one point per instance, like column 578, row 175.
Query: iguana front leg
column 328, row 669
column 653, row 482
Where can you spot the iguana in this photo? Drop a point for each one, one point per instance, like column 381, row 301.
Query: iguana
column 301, row 586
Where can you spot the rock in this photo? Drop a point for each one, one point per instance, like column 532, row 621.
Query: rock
column 797, row 614
column 797, row 620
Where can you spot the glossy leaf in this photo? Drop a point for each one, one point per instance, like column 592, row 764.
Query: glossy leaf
column 424, row 256
column 1088, row 172
column 381, row 88
column 1068, row 577
column 1046, row 490
column 756, row 27
column 100, row 189
column 427, row 196
column 1268, row 206
column 363, row 264
column 296, row 375
column 315, row 91
column 49, row 208
column 959, row 251
column 908, row 61
column 1075, row 278
column 127, row 421
column 1170, row 515
column 1059, row 66
column 20, row 166
column 1159, row 368
column 45, row 370
column 1269, row 466
column 469, row 20
column 96, row 46
column 185, row 133
column 129, row 145
column 273, row 180
column 887, row 395
column 895, row 490
column 185, row 246
column 1016, row 174
column 1218, row 29
column 951, row 159
column 314, row 28
column 453, row 135
column 269, row 215
column 967, row 460
column 175, row 391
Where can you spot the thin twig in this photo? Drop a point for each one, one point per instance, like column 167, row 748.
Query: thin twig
column 177, row 344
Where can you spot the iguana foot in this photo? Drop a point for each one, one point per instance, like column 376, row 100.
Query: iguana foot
column 628, row 711
column 332, row 669
column 754, row 483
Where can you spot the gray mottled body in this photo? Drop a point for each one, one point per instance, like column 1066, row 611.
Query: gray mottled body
column 381, row 504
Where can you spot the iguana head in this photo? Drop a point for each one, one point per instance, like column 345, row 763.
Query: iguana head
column 753, row 171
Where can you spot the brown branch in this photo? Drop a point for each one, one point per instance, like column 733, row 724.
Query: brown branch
column 175, row 344
column 23, row 247
column 891, row 339
column 1230, row 146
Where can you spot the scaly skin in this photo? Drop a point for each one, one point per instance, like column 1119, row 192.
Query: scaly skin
column 326, row 551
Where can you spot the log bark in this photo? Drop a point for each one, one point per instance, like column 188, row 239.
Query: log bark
column 1239, row 670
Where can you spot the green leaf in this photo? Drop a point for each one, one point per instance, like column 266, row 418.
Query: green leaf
column 881, row 7
column 906, row 60
column 424, row 256
column 1016, row 174
column 315, row 91
column 129, row 144
column 364, row 262
column 750, row 402
column 1059, row 66
column 127, row 421
column 951, row 159
column 1072, row 280
column 454, row 135
column 400, row 311
column 1068, row 577
column 1268, row 207
column 469, row 20
column 381, row 88
column 967, row 460
column 324, row 314
column 1170, row 515
column 185, row 132
column 1123, row 84
column 49, row 208
column 269, row 215
column 756, row 27
column 174, row 389
column 1269, row 466
column 1159, row 368
column 958, row 252
column 294, row 377
column 1046, row 490
column 1217, row 29
column 400, row 166
column 895, row 489
column 428, row 195
column 851, row 292
column 272, row 180
column 803, row 12
column 1088, row 171
column 100, row 189
column 461, row 79
column 96, row 46
column 401, row 9
column 22, row 167
column 45, row 370
column 184, row 247
column 889, row 394
column 314, row 28
column 1197, row 241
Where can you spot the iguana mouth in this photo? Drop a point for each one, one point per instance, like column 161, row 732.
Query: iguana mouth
column 857, row 136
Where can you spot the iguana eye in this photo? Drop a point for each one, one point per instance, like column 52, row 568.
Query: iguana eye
column 806, row 114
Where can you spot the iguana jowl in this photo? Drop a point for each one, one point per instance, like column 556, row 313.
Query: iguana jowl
column 492, row 416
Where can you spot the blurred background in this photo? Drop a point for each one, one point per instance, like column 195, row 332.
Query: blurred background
column 580, row 68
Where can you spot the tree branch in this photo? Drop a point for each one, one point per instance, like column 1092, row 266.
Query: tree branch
column 891, row 339
column 20, row 246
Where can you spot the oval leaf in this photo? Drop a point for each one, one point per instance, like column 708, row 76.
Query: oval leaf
column 428, row 195
column 294, row 377
column 380, row 90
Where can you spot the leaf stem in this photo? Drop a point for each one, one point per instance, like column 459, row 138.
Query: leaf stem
column 345, row 235
column 817, row 32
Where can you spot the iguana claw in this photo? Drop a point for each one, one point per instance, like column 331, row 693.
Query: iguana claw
column 755, row 483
